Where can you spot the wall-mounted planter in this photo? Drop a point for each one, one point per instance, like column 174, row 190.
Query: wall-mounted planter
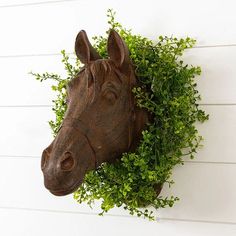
column 129, row 119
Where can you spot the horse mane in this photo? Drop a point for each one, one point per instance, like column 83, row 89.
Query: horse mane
column 103, row 67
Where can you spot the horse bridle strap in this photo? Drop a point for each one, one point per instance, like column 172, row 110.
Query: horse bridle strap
column 83, row 129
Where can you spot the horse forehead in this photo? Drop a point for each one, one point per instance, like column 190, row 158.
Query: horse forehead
column 103, row 70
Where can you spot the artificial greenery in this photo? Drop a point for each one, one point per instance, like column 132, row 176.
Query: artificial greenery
column 168, row 91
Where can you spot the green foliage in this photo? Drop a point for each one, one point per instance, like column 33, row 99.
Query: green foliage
column 168, row 91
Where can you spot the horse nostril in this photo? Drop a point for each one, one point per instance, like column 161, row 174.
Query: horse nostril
column 68, row 162
column 44, row 159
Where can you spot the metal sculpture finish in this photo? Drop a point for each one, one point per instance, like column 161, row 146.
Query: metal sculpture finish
column 101, row 121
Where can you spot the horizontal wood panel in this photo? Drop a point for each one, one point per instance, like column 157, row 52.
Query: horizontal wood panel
column 207, row 192
column 21, row 88
column 217, row 84
column 25, row 132
column 28, row 223
column 42, row 29
column 219, row 134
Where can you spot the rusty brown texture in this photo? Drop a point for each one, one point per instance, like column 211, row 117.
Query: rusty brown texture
column 102, row 120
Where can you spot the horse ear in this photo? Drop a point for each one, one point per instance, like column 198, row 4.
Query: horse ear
column 117, row 50
column 84, row 50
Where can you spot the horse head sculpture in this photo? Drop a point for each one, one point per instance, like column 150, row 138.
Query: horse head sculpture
column 101, row 121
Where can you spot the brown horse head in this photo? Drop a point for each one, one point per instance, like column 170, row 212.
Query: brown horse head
column 101, row 121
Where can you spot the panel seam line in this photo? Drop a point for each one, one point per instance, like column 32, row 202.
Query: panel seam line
column 37, row 3
column 114, row 215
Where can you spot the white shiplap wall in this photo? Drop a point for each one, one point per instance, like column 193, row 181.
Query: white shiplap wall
column 32, row 33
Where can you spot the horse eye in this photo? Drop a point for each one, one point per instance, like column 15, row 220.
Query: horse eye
column 110, row 96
